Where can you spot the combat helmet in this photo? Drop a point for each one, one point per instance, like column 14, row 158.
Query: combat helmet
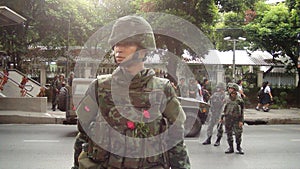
column 132, row 29
column 234, row 86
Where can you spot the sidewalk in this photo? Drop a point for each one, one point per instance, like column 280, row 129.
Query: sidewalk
column 274, row 116
column 21, row 117
column 252, row 116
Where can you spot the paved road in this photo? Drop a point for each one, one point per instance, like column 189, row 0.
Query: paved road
column 44, row 146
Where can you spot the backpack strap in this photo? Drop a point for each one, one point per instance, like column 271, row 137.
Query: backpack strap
column 104, row 81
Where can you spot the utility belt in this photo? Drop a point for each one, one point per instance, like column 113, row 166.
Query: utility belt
column 104, row 157
column 109, row 160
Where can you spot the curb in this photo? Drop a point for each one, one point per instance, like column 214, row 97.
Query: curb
column 272, row 121
column 17, row 119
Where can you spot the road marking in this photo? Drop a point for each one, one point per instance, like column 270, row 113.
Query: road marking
column 48, row 114
column 295, row 139
column 40, row 141
column 192, row 140
column 295, row 128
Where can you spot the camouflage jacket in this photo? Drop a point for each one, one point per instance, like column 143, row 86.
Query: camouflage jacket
column 234, row 107
column 217, row 101
column 136, row 121
column 182, row 90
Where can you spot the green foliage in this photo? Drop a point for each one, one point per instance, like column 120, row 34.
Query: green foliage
column 110, row 10
column 54, row 24
column 238, row 6
column 233, row 19
column 281, row 100
column 275, row 28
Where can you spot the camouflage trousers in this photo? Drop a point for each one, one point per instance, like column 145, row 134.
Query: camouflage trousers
column 220, row 129
column 232, row 125
column 79, row 140
column 214, row 119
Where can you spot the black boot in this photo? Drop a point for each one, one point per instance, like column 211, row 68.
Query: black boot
column 239, row 149
column 207, row 141
column 229, row 150
column 217, row 143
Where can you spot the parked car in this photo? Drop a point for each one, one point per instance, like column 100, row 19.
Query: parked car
column 196, row 113
column 72, row 98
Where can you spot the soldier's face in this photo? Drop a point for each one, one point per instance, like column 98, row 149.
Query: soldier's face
column 124, row 51
column 233, row 94
column 230, row 89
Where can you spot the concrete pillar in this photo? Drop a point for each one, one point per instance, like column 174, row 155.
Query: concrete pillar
column 42, row 74
column 220, row 76
column 259, row 78
column 87, row 72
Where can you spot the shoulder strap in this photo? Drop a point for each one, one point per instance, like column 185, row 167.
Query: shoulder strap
column 159, row 82
column 102, row 79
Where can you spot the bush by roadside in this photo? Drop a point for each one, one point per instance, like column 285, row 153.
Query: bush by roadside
column 284, row 97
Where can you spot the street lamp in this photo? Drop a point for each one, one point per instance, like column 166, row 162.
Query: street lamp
column 233, row 58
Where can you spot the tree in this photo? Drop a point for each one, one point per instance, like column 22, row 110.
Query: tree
column 54, row 24
column 230, row 27
column 203, row 14
column 237, row 6
column 110, row 10
column 275, row 28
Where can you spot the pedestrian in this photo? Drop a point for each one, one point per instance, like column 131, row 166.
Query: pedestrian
column 57, row 84
column 54, row 92
column 234, row 118
column 241, row 90
column 216, row 101
column 199, row 94
column 204, row 90
column 193, row 88
column 126, row 122
column 70, row 79
column 183, row 90
column 63, row 97
column 265, row 97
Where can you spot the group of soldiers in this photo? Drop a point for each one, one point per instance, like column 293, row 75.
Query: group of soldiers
column 194, row 89
column 226, row 108
column 133, row 119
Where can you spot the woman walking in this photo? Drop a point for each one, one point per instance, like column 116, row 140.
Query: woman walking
column 265, row 97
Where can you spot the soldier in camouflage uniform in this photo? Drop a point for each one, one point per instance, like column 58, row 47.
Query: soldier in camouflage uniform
column 182, row 90
column 234, row 118
column 216, row 108
column 131, row 118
